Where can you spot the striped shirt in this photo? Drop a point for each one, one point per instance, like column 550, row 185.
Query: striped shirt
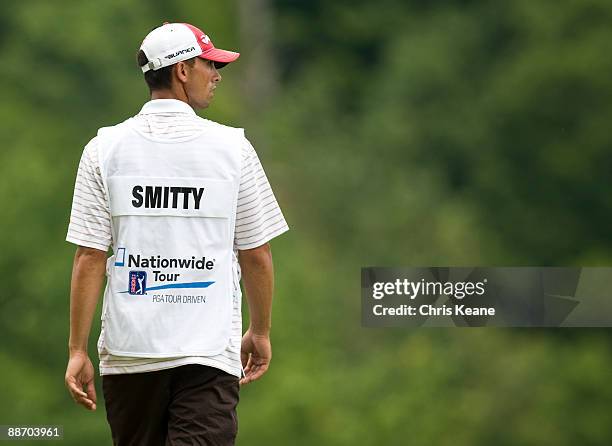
column 258, row 220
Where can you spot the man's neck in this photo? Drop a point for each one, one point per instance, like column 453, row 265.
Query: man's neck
column 169, row 94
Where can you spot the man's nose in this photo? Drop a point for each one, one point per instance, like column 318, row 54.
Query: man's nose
column 217, row 77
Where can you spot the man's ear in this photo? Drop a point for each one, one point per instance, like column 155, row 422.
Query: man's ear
column 181, row 71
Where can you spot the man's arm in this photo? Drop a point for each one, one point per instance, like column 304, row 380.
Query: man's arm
column 88, row 273
column 258, row 280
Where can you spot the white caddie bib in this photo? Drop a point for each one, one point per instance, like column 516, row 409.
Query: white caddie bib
column 173, row 212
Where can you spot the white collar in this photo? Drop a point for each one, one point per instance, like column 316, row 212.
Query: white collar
column 166, row 106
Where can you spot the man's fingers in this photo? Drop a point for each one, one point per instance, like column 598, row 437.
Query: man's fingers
column 255, row 372
column 248, row 373
column 84, row 400
column 259, row 371
column 249, row 364
column 91, row 391
column 79, row 396
column 86, row 403
column 74, row 389
column 244, row 357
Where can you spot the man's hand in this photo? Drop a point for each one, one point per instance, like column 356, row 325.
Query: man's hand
column 255, row 354
column 79, row 376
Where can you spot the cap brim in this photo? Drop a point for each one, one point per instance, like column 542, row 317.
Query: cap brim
column 222, row 56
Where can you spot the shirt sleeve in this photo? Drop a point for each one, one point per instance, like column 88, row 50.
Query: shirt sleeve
column 258, row 217
column 90, row 224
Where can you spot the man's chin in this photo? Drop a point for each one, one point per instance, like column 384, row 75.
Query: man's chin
column 201, row 105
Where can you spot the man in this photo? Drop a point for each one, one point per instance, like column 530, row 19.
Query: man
column 188, row 210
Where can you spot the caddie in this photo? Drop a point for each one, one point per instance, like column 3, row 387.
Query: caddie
column 188, row 211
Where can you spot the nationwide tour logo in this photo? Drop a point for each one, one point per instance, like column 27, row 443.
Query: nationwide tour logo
column 163, row 271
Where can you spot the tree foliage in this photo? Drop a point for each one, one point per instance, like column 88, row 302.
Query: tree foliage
column 403, row 133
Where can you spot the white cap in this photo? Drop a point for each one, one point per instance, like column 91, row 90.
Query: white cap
column 174, row 42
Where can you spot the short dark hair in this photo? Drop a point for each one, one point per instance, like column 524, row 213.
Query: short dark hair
column 159, row 79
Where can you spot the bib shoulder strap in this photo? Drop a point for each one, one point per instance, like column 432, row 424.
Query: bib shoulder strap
column 108, row 137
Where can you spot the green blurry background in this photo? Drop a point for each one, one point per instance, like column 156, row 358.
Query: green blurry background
column 406, row 133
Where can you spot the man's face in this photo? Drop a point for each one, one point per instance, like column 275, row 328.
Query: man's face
column 201, row 83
